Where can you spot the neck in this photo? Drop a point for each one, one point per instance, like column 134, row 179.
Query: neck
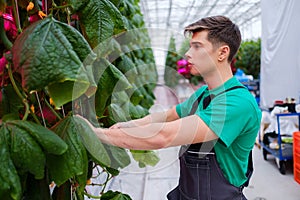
column 218, row 77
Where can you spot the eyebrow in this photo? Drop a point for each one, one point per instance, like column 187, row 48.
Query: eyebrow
column 195, row 42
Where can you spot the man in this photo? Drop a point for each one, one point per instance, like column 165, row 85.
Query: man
column 222, row 113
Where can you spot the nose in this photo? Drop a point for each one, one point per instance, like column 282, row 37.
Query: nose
column 187, row 54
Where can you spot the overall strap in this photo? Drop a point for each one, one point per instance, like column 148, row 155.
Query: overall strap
column 208, row 99
column 206, row 102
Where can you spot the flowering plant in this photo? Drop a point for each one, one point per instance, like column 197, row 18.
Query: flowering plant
column 51, row 69
column 183, row 68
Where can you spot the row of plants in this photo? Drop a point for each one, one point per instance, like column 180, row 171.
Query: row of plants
column 60, row 58
column 248, row 57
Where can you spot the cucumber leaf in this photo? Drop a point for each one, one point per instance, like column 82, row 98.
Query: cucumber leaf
column 110, row 195
column 45, row 137
column 99, row 20
column 117, row 114
column 119, row 157
column 145, row 157
column 10, row 187
column 135, row 94
column 49, row 54
column 77, row 4
column 74, row 161
column 120, row 98
column 127, row 67
column 110, row 80
column 11, row 103
column 112, row 49
column 25, row 151
column 91, row 142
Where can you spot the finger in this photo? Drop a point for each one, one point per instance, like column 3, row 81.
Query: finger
column 115, row 126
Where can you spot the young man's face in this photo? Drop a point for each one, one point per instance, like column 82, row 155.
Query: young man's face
column 201, row 56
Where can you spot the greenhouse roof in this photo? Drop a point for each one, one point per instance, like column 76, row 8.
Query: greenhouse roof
column 176, row 14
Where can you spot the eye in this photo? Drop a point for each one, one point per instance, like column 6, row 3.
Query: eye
column 196, row 46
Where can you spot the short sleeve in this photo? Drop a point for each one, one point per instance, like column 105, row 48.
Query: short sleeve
column 227, row 117
column 183, row 109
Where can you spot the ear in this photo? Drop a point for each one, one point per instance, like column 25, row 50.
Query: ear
column 223, row 54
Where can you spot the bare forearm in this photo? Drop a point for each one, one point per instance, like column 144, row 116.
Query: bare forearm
column 160, row 117
column 158, row 135
column 145, row 137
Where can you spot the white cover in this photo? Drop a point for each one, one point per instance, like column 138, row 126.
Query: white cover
column 280, row 53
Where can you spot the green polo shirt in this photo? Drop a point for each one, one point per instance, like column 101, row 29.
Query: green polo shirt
column 234, row 117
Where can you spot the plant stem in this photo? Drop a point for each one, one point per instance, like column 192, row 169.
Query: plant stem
column 92, row 196
column 61, row 7
column 35, row 117
column 7, row 43
column 56, row 7
column 24, row 100
column 16, row 15
column 105, row 183
column 52, row 110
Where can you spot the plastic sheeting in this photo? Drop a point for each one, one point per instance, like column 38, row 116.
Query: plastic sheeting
column 280, row 53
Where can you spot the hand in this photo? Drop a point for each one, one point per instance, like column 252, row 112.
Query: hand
column 87, row 121
column 97, row 131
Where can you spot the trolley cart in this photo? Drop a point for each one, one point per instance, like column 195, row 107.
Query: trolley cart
column 285, row 150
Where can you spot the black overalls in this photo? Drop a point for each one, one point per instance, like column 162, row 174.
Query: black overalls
column 201, row 178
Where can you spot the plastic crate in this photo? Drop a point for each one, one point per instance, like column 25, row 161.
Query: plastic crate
column 296, row 142
column 296, row 156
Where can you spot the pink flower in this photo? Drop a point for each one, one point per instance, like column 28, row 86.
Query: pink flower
column 182, row 62
column 182, row 67
column 9, row 25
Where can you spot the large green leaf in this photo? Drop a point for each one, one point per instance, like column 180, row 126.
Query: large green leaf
column 11, row 103
column 45, row 137
column 91, row 142
column 49, row 54
column 145, row 157
column 112, row 49
column 126, row 65
column 128, row 8
column 74, row 161
column 134, row 111
column 119, row 157
column 99, row 20
column 148, row 99
column 110, row 80
column 25, row 151
column 77, row 4
column 10, row 187
column 135, row 94
column 110, row 195
column 117, row 114
column 120, row 98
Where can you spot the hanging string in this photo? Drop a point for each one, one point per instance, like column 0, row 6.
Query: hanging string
column 37, row 97
column 80, row 104
column 45, row 6
column 63, row 111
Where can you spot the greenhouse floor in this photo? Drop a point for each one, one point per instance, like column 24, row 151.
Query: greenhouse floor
column 153, row 183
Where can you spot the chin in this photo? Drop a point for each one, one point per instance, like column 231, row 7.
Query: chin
column 195, row 73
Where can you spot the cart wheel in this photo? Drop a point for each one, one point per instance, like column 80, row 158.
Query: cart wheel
column 265, row 152
column 282, row 167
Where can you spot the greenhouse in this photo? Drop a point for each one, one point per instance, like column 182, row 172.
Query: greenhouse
column 149, row 100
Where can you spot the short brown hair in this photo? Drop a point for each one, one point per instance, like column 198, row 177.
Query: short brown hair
column 220, row 30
